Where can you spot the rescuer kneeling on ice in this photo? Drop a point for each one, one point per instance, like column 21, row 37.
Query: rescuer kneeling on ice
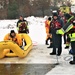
column 14, row 37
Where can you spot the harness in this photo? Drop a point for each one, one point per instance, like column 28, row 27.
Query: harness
column 55, row 24
column 22, row 26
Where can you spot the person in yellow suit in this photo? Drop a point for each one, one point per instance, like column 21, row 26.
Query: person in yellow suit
column 14, row 37
column 49, row 36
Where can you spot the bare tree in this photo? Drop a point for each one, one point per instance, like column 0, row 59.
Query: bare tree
column 41, row 5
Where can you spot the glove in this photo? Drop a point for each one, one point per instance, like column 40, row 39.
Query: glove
column 57, row 32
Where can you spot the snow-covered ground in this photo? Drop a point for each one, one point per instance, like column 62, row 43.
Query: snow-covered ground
column 39, row 53
column 36, row 27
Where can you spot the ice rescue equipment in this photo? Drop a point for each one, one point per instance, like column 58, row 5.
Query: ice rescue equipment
column 6, row 46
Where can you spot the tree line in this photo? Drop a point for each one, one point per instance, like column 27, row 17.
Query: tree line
column 13, row 8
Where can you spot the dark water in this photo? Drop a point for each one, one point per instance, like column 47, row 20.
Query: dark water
column 25, row 69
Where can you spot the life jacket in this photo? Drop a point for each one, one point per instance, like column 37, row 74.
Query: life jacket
column 22, row 26
column 12, row 39
column 17, row 38
column 55, row 24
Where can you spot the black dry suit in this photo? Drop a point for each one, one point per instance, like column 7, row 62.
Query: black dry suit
column 56, row 38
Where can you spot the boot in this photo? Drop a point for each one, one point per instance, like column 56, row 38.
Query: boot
column 72, row 62
column 66, row 47
column 46, row 42
column 50, row 46
column 54, row 51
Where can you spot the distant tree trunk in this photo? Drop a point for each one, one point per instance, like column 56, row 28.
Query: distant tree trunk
column 43, row 5
column 55, row 2
column 43, row 12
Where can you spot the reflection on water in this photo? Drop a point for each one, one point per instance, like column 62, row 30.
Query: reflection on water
column 25, row 69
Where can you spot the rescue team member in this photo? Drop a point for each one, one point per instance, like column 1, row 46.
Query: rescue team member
column 66, row 36
column 14, row 37
column 22, row 25
column 49, row 36
column 56, row 24
column 69, row 27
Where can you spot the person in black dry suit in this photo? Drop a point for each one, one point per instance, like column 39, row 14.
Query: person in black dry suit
column 22, row 26
column 56, row 24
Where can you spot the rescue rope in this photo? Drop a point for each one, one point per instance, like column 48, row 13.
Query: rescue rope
column 67, row 58
column 34, row 43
